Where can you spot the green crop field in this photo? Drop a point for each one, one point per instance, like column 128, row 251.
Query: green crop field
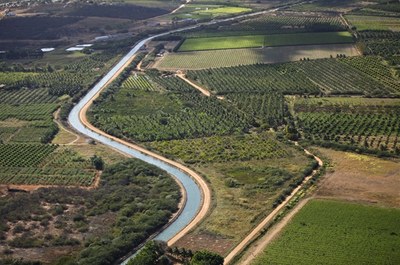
column 328, row 76
column 175, row 111
column 362, row 123
column 207, row 11
column 38, row 164
column 234, row 57
column 330, row 232
column 29, row 96
column 271, row 23
column 234, row 42
column 374, row 22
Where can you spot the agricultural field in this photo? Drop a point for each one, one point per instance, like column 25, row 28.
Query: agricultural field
column 381, row 43
column 199, row 11
column 35, row 164
column 235, row 57
column 374, row 23
column 360, row 178
column 271, row 23
column 252, row 41
column 324, row 76
column 333, row 232
column 363, row 124
column 29, row 97
column 177, row 111
column 333, row 5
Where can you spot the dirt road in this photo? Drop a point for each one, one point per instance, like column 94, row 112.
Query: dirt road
column 260, row 245
column 203, row 91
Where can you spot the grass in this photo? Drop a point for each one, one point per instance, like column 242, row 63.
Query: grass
column 252, row 41
column 374, row 22
column 331, row 232
column 352, row 176
column 196, row 11
column 220, row 149
column 233, row 57
column 244, row 192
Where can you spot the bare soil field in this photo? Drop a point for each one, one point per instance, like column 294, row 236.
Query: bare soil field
column 361, row 178
column 234, row 57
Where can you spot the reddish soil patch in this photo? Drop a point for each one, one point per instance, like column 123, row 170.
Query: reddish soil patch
column 204, row 240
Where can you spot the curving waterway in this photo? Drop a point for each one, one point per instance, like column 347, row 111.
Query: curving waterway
column 192, row 190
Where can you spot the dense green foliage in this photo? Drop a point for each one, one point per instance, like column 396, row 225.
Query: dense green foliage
column 329, row 232
column 206, row 258
column 134, row 200
column 227, row 148
column 148, row 255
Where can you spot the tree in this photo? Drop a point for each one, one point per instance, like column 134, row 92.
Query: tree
column 97, row 162
column 148, row 255
column 205, row 257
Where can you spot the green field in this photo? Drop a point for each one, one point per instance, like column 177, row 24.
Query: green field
column 361, row 123
column 330, row 232
column 233, row 57
column 374, row 22
column 328, row 76
column 196, row 11
column 252, row 41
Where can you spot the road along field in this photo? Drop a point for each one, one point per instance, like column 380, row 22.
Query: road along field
column 233, row 57
column 254, row 41
column 333, row 232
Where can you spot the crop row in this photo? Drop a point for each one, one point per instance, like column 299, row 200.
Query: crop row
column 272, row 24
column 171, row 83
column 138, row 82
column 24, row 155
column 266, row 108
column 66, row 158
column 328, row 76
column 70, row 178
column 278, row 23
column 26, row 96
column 259, row 78
column 194, row 116
column 382, row 43
column 377, row 130
column 378, row 69
column 29, row 112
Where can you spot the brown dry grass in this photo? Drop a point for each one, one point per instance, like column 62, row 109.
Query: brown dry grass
column 361, row 178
